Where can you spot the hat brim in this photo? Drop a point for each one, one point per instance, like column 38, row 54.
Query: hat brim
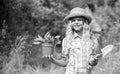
column 78, row 15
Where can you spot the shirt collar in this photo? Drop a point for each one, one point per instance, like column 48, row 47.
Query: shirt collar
column 76, row 35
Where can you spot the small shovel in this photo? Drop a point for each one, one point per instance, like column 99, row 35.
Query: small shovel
column 107, row 49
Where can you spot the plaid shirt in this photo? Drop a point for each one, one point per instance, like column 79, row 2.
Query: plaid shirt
column 79, row 52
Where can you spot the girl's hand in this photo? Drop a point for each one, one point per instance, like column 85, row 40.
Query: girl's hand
column 49, row 57
column 93, row 60
column 61, row 62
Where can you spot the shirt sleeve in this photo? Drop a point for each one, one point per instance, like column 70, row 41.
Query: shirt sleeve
column 96, row 51
column 65, row 47
column 96, row 48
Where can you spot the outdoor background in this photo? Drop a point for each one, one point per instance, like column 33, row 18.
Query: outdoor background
column 22, row 20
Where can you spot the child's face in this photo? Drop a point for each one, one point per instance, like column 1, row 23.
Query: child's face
column 77, row 23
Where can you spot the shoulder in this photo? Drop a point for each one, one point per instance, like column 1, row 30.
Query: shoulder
column 65, row 40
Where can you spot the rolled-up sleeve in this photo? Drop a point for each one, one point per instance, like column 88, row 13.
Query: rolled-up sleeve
column 65, row 47
column 96, row 49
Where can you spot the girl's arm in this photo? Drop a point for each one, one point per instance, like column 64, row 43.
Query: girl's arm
column 64, row 55
column 96, row 53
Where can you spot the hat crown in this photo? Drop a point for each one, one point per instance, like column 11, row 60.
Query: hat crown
column 78, row 10
column 81, row 12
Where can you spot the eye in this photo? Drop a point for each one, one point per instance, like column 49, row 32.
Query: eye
column 79, row 19
column 73, row 20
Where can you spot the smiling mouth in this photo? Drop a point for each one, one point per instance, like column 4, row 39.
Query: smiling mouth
column 77, row 25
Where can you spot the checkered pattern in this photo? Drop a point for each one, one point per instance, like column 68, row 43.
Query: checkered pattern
column 79, row 52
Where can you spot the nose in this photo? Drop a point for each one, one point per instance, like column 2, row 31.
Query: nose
column 77, row 22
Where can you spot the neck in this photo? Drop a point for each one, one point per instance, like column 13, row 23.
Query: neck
column 79, row 32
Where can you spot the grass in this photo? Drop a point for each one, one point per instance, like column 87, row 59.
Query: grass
column 15, row 64
column 109, row 64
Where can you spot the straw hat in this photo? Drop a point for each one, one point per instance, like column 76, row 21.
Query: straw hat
column 76, row 12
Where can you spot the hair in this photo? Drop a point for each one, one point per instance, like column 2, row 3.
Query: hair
column 69, row 31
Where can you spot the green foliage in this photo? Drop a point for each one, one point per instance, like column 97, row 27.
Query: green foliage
column 40, row 16
column 16, row 58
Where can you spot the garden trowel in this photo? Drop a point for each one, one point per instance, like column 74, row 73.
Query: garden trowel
column 106, row 50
